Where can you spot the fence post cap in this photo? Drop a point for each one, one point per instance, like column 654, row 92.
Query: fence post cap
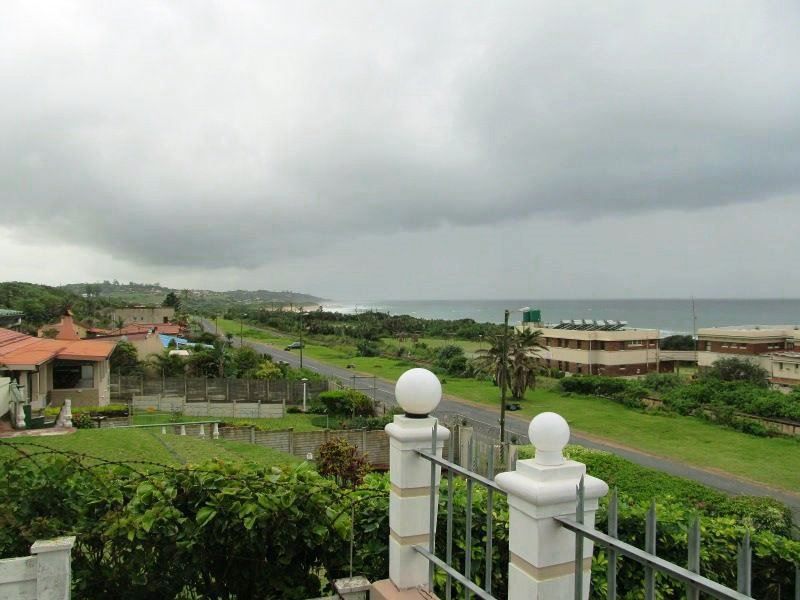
column 549, row 434
column 418, row 392
column 53, row 545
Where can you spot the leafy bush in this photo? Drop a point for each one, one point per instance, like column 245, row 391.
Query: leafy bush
column 109, row 410
column 369, row 423
column 347, row 403
column 220, row 531
column 365, row 347
column 660, row 382
column 341, row 460
column 629, row 393
column 83, row 421
column 737, row 369
column 452, row 361
column 717, row 396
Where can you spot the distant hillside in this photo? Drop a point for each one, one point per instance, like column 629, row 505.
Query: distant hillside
column 89, row 301
column 192, row 300
column 45, row 304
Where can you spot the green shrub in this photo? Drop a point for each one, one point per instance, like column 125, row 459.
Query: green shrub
column 190, row 532
column 347, row 403
column 366, row 347
column 83, row 421
column 109, row 410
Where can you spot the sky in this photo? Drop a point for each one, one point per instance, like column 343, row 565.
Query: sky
column 404, row 150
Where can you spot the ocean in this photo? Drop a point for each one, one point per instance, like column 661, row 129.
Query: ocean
column 668, row 315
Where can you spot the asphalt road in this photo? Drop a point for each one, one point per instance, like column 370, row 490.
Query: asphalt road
column 384, row 392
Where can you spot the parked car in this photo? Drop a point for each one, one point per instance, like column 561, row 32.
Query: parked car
column 295, row 346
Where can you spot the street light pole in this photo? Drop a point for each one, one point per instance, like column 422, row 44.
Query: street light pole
column 241, row 329
column 305, row 391
column 302, row 314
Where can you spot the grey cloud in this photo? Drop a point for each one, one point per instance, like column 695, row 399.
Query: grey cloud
column 233, row 135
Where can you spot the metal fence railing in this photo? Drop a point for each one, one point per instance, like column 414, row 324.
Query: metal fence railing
column 446, row 565
column 688, row 576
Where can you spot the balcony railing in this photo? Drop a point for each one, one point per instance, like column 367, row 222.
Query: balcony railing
column 689, row 576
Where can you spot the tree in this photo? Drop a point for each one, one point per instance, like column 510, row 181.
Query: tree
column 737, row 369
column 246, row 360
column 268, row 370
column 166, row 364
column 517, row 367
column 124, row 360
column 172, row 300
column 677, row 342
column 523, row 361
column 211, row 362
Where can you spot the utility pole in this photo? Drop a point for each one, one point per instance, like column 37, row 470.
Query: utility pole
column 504, row 382
column 302, row 343
column 241, row 329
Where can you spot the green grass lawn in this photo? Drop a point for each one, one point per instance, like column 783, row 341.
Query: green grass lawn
column 298, row 422
column 470, row 347
column 128, row 445
column 771, row 461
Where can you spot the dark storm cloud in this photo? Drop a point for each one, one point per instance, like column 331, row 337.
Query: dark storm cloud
column 229, row 135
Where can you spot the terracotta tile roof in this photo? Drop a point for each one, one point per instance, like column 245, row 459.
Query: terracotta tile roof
column 21, row 351
column 65, row 329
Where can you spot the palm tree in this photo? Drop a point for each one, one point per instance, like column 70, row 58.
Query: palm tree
column 169, row 365
column 523, row 360
column 492, row 360
column 517, row 366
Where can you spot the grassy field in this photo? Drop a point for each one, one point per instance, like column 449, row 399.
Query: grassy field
column 771, row 461
column 128, row 445
column 297, row 422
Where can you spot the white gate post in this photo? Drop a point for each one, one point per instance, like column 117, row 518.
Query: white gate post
column 418, row 392
column 53, row 568
column 541, row 551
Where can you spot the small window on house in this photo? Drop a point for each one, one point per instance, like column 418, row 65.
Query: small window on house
column 708, row 346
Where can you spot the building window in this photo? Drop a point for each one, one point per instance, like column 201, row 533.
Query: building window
column 708, row 346
column 72, row 375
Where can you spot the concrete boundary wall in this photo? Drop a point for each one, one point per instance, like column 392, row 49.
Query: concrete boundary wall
column 178, row 404
column 375, row 444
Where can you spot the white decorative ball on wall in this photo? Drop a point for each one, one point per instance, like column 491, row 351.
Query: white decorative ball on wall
column 418, row 391
column 549, row 433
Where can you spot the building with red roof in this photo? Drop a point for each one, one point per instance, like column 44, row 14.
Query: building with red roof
column 51, row 370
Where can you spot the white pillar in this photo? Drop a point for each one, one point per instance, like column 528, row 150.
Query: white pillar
column 183, row 429
column 215, row 431
column 202, row 431
column 541, row 551
column 163, row 431
column 53, row 568
column 418, row 392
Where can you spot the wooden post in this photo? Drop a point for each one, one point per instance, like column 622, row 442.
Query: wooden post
column 252, row 435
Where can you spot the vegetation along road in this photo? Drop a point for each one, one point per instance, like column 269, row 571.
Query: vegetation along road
column 625, row 425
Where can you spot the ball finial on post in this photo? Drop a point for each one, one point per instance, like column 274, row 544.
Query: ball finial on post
column 549, row 433
column 418, row 392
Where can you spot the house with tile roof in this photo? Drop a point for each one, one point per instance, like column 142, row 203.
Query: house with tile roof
column 66, row 329
column 50, row 370
column 11, row 319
